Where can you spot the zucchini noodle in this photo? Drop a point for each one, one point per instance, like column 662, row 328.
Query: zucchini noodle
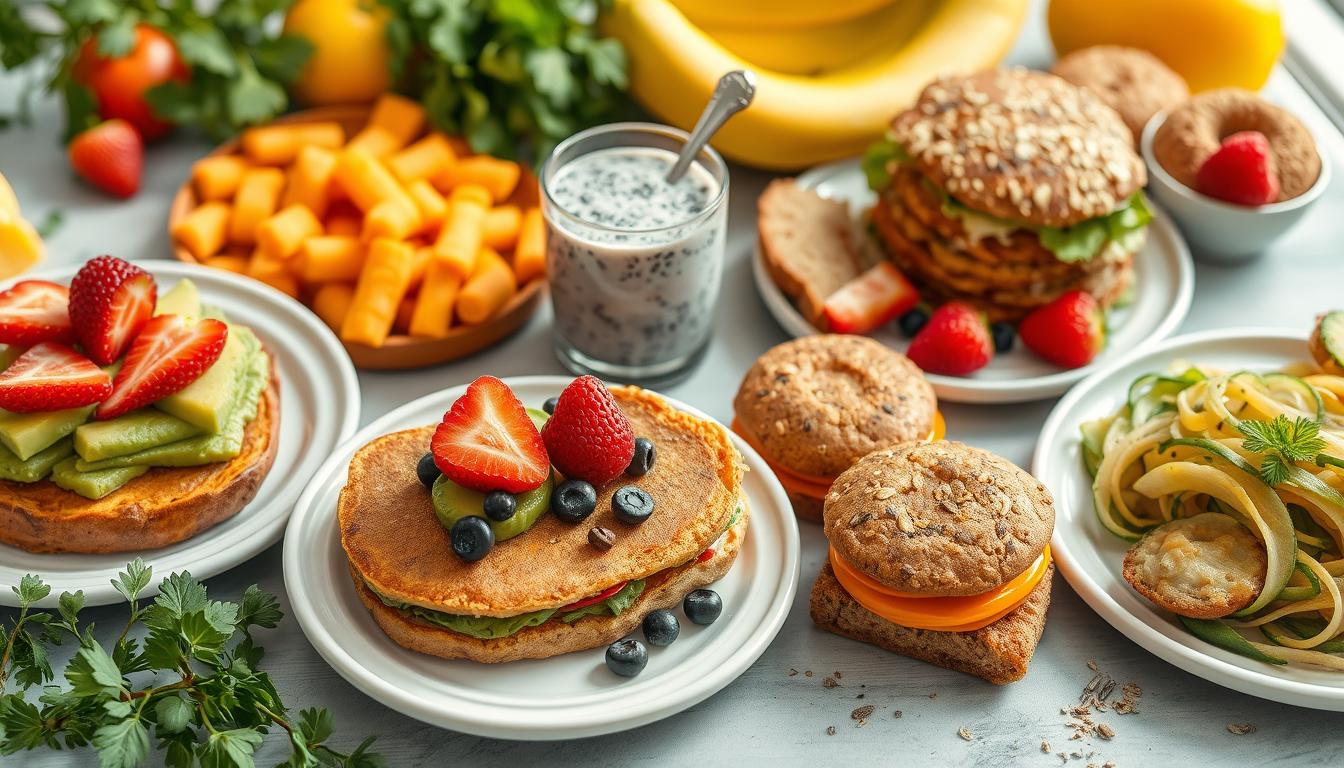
column 1174, row 449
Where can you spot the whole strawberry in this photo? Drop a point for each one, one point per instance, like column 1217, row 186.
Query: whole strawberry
column 109, row 156
column 1068, row 331
column 110, row 301
column 588, row 437
column 955, row 341
column 1241, row 171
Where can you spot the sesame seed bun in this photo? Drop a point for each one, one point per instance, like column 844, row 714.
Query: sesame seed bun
column 1021, row 145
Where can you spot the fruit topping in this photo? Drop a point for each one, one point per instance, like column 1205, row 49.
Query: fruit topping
column 955, row 341
column 601, row 538
column 913, row 321
column 661, row 628
column 574, row 500
column 627, row 657
column 52, row 377
column 587, row 436
column 702, row 606
column 110, row 301
column 549, row 405
column 473, row 538
column 34, row 311
column 488, row 442
column 1004, row 334
column 645, row 454
column 1241, row 171
column 870, row 300
column 1327, row 342
column 452, row 502
column 499, row 505
column 427, row 471
column 170, row 353
column 1068, row 331
column 109, row 156
column 632, row 505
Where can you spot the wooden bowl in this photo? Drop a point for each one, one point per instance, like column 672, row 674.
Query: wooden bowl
column 399, row 351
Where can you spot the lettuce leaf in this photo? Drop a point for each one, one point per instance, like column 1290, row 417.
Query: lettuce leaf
column 881, row 159
column 1081, row 241
column 612, row 606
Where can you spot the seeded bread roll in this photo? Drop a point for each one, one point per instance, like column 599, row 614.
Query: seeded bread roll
column 1021, row 145
column 1132, row 81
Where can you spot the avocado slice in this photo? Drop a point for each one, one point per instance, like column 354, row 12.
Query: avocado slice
column 453, row 502
column 28, row 434
column 38, row 466
column 183, row 299
column 1331, row 333
column 205, row 402
column 132, row 433
column 93, row 485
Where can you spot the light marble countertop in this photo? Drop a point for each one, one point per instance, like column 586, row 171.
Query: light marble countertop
column 767, row 714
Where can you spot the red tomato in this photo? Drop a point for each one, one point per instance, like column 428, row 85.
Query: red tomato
column 119, row 84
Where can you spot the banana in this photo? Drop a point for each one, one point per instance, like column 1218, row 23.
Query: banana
column 798, row 121
column 775, row 14
column 827, row 47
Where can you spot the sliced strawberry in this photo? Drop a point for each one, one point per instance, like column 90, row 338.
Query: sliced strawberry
column 170, row 353
column 487, row 442
column 110, row 301
column 870, row 300
column 34, row 311
column 52, row 377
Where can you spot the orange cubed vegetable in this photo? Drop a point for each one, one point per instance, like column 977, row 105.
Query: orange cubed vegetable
column 279, row 144
column 487, row 290
column 423, row 256
column 331, row 302
column 281, row 234
column 397, row 218
column 399, row 116
column 463, row 229
column 257, row 198
column 330, row 258
column 230, row 262
column 261, row 265
column 375, row 140
column 402, row 325
column 500, row 177
column 529, row 256
column 501, row 227
column 346, row 226
column 424, row 159
column 204, row 230
column 433, row 314
column 433, row 208
column 382, row 284
column 309, row 181
column 217, row 177
column 366, row 180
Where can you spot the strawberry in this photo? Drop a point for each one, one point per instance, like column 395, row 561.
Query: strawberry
column 110, row 301
column 34, row 311
column 1068, row 331
column 109, row 156
column 588, row 436
column 1241, row 171
column 52, row 377
column 170, row 353
column 870, row 300
column 955, row 341
column 487, row 442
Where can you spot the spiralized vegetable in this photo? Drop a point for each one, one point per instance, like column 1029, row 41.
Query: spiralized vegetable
column 1174, row 450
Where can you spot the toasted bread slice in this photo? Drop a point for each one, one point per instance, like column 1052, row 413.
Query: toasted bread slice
column 808, row 244
column 161, row 507
column 998, row 653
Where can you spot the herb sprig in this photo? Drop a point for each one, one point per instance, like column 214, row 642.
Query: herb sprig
column 201, row 697
column 1283, row 443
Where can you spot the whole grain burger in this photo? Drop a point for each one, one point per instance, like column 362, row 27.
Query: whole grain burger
column 1007, row 188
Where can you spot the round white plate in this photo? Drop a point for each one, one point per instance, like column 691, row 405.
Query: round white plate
column 564, row 697
column 1165, row 282
column 319, row 408
column 1090, row 557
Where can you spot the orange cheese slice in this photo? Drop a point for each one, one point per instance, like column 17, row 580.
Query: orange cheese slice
column 941, row 614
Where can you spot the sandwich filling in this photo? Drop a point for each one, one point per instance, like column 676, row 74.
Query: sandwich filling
column 937, row 613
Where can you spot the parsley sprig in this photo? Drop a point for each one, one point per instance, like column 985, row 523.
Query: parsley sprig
column 184, row 671
column 1282, row 443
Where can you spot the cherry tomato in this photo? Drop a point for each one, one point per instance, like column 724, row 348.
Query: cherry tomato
column 119, row 84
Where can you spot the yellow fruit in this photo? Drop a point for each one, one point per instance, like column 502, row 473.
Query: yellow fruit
column 826, row 47
column 20, row 245
column 775, row 14
column 1211, row 43
column 9, row 202
column 350, row 61
column 798, row 121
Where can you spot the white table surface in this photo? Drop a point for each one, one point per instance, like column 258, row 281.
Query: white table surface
column 768, row 715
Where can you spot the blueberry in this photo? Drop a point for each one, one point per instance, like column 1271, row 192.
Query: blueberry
column 632, row 505
column 702, row 606
column 627, row 657
column 661, row 628
column 427, row 470
column 644, row 456
column 913, row 321
column 549, row 405
column 500, row 505
column 1003, row 334
column 574, row 500
column 473, row 538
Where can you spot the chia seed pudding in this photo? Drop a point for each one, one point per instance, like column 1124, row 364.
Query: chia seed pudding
column 634, row 263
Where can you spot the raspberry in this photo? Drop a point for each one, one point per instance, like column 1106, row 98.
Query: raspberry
column 588, row 437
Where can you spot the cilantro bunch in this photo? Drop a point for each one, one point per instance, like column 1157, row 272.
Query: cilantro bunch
column 184, row 672
column 1283, row 443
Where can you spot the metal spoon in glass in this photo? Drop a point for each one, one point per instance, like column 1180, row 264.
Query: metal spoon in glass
column 732, row 95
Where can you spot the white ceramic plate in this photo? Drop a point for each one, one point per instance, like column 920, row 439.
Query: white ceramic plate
column 564, row 697
column 319, row 408
column 1165, row 282
column 1090, row 557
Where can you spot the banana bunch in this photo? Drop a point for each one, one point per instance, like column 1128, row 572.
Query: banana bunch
column 830, row 75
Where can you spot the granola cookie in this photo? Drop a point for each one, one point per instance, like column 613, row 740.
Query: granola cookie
column 1133, row 82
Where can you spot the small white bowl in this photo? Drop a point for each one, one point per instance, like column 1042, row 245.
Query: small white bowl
column 1224, row 232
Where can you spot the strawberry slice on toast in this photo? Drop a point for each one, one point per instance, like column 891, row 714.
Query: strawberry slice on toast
column 170, row 353
column 487, row 442
column 52, row 377
column 870, row 300
column 34, row 311
column 110, row 301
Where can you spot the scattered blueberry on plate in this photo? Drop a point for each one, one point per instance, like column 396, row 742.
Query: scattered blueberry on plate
column 627, row 657
column 913, row 321
column 427, row 471
column 473, row 538
column 661, row 628
column 549, row 405
column 702, row 606
column 643, row 459
column 632, row 504
column 574, row 500
column 1004, row 334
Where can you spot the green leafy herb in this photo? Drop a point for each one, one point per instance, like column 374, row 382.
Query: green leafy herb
column 183, row 674
column 880, row 161
column 1283, row 443
column 55, row 218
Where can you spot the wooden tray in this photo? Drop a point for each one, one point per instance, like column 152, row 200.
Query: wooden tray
column 400, row 351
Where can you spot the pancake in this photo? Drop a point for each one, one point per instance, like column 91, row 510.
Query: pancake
column 161, row 507
column 395, row 543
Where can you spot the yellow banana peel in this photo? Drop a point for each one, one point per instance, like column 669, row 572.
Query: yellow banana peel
column 775, row 14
